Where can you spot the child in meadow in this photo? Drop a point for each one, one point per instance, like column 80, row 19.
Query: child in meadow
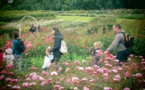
column 96, row 52
column 47, row 59
column 8, row 56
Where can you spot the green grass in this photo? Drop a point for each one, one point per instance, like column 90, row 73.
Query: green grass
column 72, row 18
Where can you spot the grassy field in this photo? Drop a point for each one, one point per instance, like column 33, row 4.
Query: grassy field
column 74, row 18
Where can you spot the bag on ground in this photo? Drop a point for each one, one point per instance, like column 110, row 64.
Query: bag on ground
column 63, row 48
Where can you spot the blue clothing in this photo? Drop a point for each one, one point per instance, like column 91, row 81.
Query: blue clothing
column 14, row 48
column 17, row 55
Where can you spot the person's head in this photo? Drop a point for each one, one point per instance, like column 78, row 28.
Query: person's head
column 48, row 50
column 15, row 35
column 9, row 51
column 116, row 27
column 97, row 44
column 55, row 31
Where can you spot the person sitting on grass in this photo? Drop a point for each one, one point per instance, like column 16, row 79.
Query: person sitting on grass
column 47, row 59
column 33, row 30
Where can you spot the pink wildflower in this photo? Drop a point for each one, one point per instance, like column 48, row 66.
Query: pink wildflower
column 44, row 83
column 56, row 87
column 92, row 80
column 75, row 81
column 1, row 77
column 28, row 79
column 25, row 84
column 81, row 68
column 9, row 66
column 44, row 73
column 32, row 84
column 86, row 88
column 107, row 88
column 106, row 74
column 126, row 88
column 84, row 61
column 11, row 73
column 32, row 74
column 41, row 78
column 67, row 69
column 60, row 69
column 14, row 80
column 100, row 71
column 89, row 69
column 54, row 73
column 61, row 88
column 16, row 87
column 131, row 55
column 33, row 68
column 138, row 75
column 67, row 64
column 77, row 62
column 96, row 66
column 68, row 81
column 3, row 72
column 8, row 79
column 83, row 45
column 35, row 77
column 127, row 74
column 84, row 79
column 26, row 76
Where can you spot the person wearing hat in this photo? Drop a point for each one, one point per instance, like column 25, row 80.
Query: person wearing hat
column 8, row 56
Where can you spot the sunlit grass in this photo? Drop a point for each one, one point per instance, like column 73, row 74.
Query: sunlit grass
column 72, row 18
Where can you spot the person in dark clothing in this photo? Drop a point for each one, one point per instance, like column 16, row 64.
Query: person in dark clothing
column 33, row 30
column 57, row 44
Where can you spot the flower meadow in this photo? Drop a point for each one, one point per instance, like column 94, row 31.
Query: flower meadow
column 76, row 70
column 79, row 76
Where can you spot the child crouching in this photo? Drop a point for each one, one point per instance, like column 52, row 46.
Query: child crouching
column 47, row 59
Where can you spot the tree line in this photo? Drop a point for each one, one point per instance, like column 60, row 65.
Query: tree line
column 61, row 5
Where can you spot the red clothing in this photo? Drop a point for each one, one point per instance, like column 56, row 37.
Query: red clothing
column 1, row 60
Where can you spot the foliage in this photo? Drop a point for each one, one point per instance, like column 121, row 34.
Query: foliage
column 70, row 4
column 17, row 15
column 8, row 30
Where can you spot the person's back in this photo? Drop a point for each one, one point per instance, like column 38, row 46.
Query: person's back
column 17, row 55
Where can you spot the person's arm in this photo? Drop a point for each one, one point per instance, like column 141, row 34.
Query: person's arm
column 114, row 43
column 57, row 44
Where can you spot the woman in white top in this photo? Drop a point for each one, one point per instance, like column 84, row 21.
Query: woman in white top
column 47, row 59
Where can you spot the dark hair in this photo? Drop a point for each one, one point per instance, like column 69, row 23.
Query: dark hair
column 16, row 35
column 56, row 30
column 118, row 26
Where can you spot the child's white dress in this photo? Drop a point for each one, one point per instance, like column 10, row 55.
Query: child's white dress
column 47, row 61
column 9, row 57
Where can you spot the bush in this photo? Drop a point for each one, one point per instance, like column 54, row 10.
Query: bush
column 8, row 30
